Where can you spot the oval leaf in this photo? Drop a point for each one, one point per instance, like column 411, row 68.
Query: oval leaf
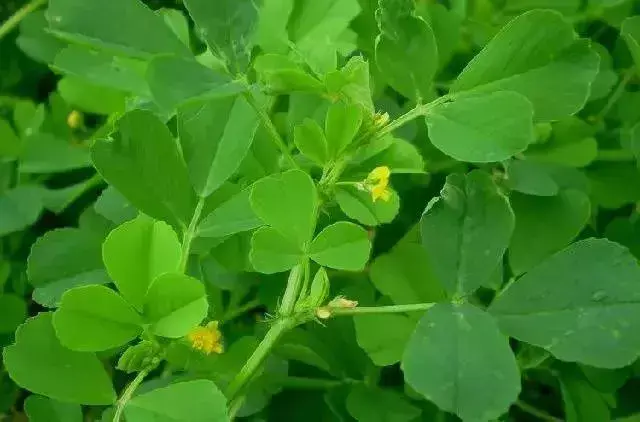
column 582, row 305
column 175, row 303
column 455, row 353
column 482, row 129
column 466, row 231
column 343, row 246
column 137, row 252
column 39, row 363
column 191, row 401
column 95, row 318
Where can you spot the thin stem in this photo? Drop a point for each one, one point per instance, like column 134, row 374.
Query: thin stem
column 417, row 111
column 128, row 392
column 615, row 155
column 620, row 89
column 190, row 233
column 240, row 310
column 15, row 19
column 415, row 307
column 534, row 411
column 271, row 129
column 255, row 361
column 302, row 383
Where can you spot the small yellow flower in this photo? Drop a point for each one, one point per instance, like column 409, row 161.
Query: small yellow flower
column 207, row 339
column 378, row 183
column 75, row 119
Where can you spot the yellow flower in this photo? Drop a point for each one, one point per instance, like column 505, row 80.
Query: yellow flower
column 378, row 183
column 207, row 339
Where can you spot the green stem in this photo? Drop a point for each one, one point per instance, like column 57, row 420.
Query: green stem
column 415, row 307
column 255, row 361
column 304, row 290
column 417, row 111
column 291, row 292
column 240, row 310
column 536, row 412
column 620, row 89
column 302, row 383
column 190, row 233
column 271, row 128
column 615, row 155
column 128, row 392
column 15, row 19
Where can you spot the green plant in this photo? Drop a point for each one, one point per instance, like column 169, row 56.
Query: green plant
column 386, row 210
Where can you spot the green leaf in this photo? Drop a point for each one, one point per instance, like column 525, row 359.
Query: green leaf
column 483, row 128
column 544, row 225
column 215, row 136
column 455, row 353
column 630, row 32
column 446, row 28
column 130, row 163
column 606, row 189
column 45, row 153
column 405, row 274
column 273, row 253
column 342, row 245
column 89, row 97
column 271, row 33
column 287, row 202
column 341, row 127
column 310, row 140
column 406, row 50
column 368, row 404
column 139, row 33
column 39, row 363
column 316, row 28
column 233, row 216
column 175, row 303
column 35, row 40
column 13, row 311
column 11, row 145
column 567, row 7
column 114, row 207
column 228, row 28
column 19, row 207
column 103, row 69
column 384, row 350
column 358, row 205
column 582, row 402
column 95, row 318
column 174, row 81
column 531, row 178
column 581, row 305
column 137, row 252
column 63, row 259
column 44, row 409
column 281, row 74
column 190, row 401
column 351, row 83
column 537, row 55
column 466, row 231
